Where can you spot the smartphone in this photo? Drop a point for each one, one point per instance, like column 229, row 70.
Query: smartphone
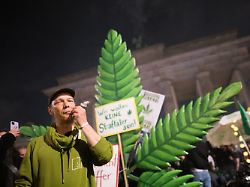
column 14, row 125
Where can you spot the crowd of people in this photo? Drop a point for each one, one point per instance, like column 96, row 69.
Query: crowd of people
column 216, row 167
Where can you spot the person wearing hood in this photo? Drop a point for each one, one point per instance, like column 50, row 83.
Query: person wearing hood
column 66, row 154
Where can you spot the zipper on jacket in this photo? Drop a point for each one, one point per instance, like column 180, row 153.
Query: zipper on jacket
column 61, row 153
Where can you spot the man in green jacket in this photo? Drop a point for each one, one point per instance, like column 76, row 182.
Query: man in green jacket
column 66, row 154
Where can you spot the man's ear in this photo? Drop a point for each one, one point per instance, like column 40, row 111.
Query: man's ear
column 50, row 111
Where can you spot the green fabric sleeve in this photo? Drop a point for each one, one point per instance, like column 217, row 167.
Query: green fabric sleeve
column 101, row 152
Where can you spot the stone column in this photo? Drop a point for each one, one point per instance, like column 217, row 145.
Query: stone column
column 244, row 94
column 203, row 83
column 170, row 97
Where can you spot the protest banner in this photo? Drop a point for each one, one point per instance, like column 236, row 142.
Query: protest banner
column 117, row 117
column 152, row 103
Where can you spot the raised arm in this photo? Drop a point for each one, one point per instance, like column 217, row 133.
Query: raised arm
column 100, row 147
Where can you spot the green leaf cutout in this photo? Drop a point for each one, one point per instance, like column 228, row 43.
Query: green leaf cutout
column 118, row 78
column 177, row 133
column 245, row 119
column 34, row 130
column 166, row 179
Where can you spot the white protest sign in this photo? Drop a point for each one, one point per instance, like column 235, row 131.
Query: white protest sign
column 117, row 117
column 152, row 103
column 107, row 175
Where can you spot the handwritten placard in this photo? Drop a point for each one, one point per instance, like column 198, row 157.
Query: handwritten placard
column 117, row 117
column 152, row 103
column 107, row 175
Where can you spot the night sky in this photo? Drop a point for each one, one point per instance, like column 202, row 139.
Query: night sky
column 42, row 40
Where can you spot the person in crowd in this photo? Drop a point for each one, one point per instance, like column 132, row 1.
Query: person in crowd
column 20, row 149
column 228, row 162
column 197, row 161
column 213, row 171
column 66, row 154
column 235, row 157
column 8, row 166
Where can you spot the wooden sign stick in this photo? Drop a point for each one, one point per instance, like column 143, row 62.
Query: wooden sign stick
column 122, row 159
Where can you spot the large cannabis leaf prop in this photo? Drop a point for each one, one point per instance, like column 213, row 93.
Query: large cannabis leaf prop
column 177, row 133
column 118, row 78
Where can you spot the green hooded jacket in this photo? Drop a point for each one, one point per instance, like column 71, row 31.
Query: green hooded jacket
column 56, row 160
